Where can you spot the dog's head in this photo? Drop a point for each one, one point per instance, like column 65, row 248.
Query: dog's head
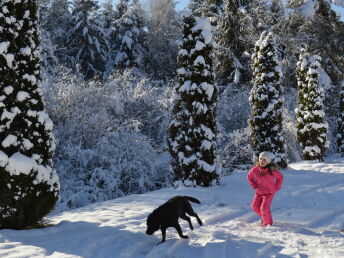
column 152, row 223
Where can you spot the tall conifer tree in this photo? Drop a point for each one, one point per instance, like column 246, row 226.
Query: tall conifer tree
column 129, row 37
column 266, row 101
column 233, row 62
column 312, row 129
column 87, row 42
column 193, row 129
column 301, row 77
column 28, row 186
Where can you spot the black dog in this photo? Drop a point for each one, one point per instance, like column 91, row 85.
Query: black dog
column 167, row 215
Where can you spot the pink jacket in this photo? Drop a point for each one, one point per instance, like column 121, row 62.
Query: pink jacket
column 266, row 184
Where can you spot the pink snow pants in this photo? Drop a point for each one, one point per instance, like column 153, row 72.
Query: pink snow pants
column 261, row 206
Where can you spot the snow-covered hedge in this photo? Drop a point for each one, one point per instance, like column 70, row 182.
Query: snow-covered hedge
column 110, row 139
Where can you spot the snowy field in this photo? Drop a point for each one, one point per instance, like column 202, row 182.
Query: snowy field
column 308, row 214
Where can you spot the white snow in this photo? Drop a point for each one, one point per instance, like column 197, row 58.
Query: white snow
column 128, row 41
column 203, row 24
column 30, row 78
column 208, row 88
column 22, row 95
column 199, row 60
column 308, row 215
column 27, row 144
column 8, row 90
column 183, row 52
column 3, row 158
column 20, row 164
column 4, row 46
column 9, row 60
column 25, row 51
column 308, row 8
column 199, row 45
column 9, row 140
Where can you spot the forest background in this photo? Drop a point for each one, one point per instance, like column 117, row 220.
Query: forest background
column 111, row 99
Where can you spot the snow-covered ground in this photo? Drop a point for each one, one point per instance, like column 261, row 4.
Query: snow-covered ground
column 308, row 214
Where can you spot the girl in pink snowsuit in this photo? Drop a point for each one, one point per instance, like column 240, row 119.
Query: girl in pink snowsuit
column 266, row 182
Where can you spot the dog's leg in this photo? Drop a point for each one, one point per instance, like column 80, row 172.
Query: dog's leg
column 191, row 212
column 187, row 218
column 163, row 233
column 179, row 230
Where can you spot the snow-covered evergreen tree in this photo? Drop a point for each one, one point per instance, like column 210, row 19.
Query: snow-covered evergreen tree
column 108, row 14
column 266, row 101
column 196, row 7
column 210, row 9
column 121, row 8
column 87, row 42
column 29, row 185
column 233, row 61
column 316, row 24
column 129, row 37
column 340, row 126
column 108, row 17
column 301, row 76
column 57, row 23
column 178, row 138
column 192, row 139
column 312, row 129
column 163, row 32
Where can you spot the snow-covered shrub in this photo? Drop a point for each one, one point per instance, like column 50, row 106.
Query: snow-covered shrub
column 237, row 150
column 110, row 137
column 291, row 146
column 233, row 107
column 79, row 108
column 29, row 185
column 121, row 163
column 145, row 100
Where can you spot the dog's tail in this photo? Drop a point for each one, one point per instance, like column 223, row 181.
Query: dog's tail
column 191, row 199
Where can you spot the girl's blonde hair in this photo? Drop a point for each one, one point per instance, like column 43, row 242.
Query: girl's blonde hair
column 269, row 165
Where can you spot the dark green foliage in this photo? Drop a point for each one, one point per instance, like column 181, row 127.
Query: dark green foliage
column 301, row 76
column 193, row 128
column 28, row 184
column 178, row 130
column 266, row 101
column 26, row 210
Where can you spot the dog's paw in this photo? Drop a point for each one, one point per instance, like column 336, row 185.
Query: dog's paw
column 185, row 236
column 160, row 242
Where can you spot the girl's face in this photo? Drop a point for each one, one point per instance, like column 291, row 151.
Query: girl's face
column 262, row 162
